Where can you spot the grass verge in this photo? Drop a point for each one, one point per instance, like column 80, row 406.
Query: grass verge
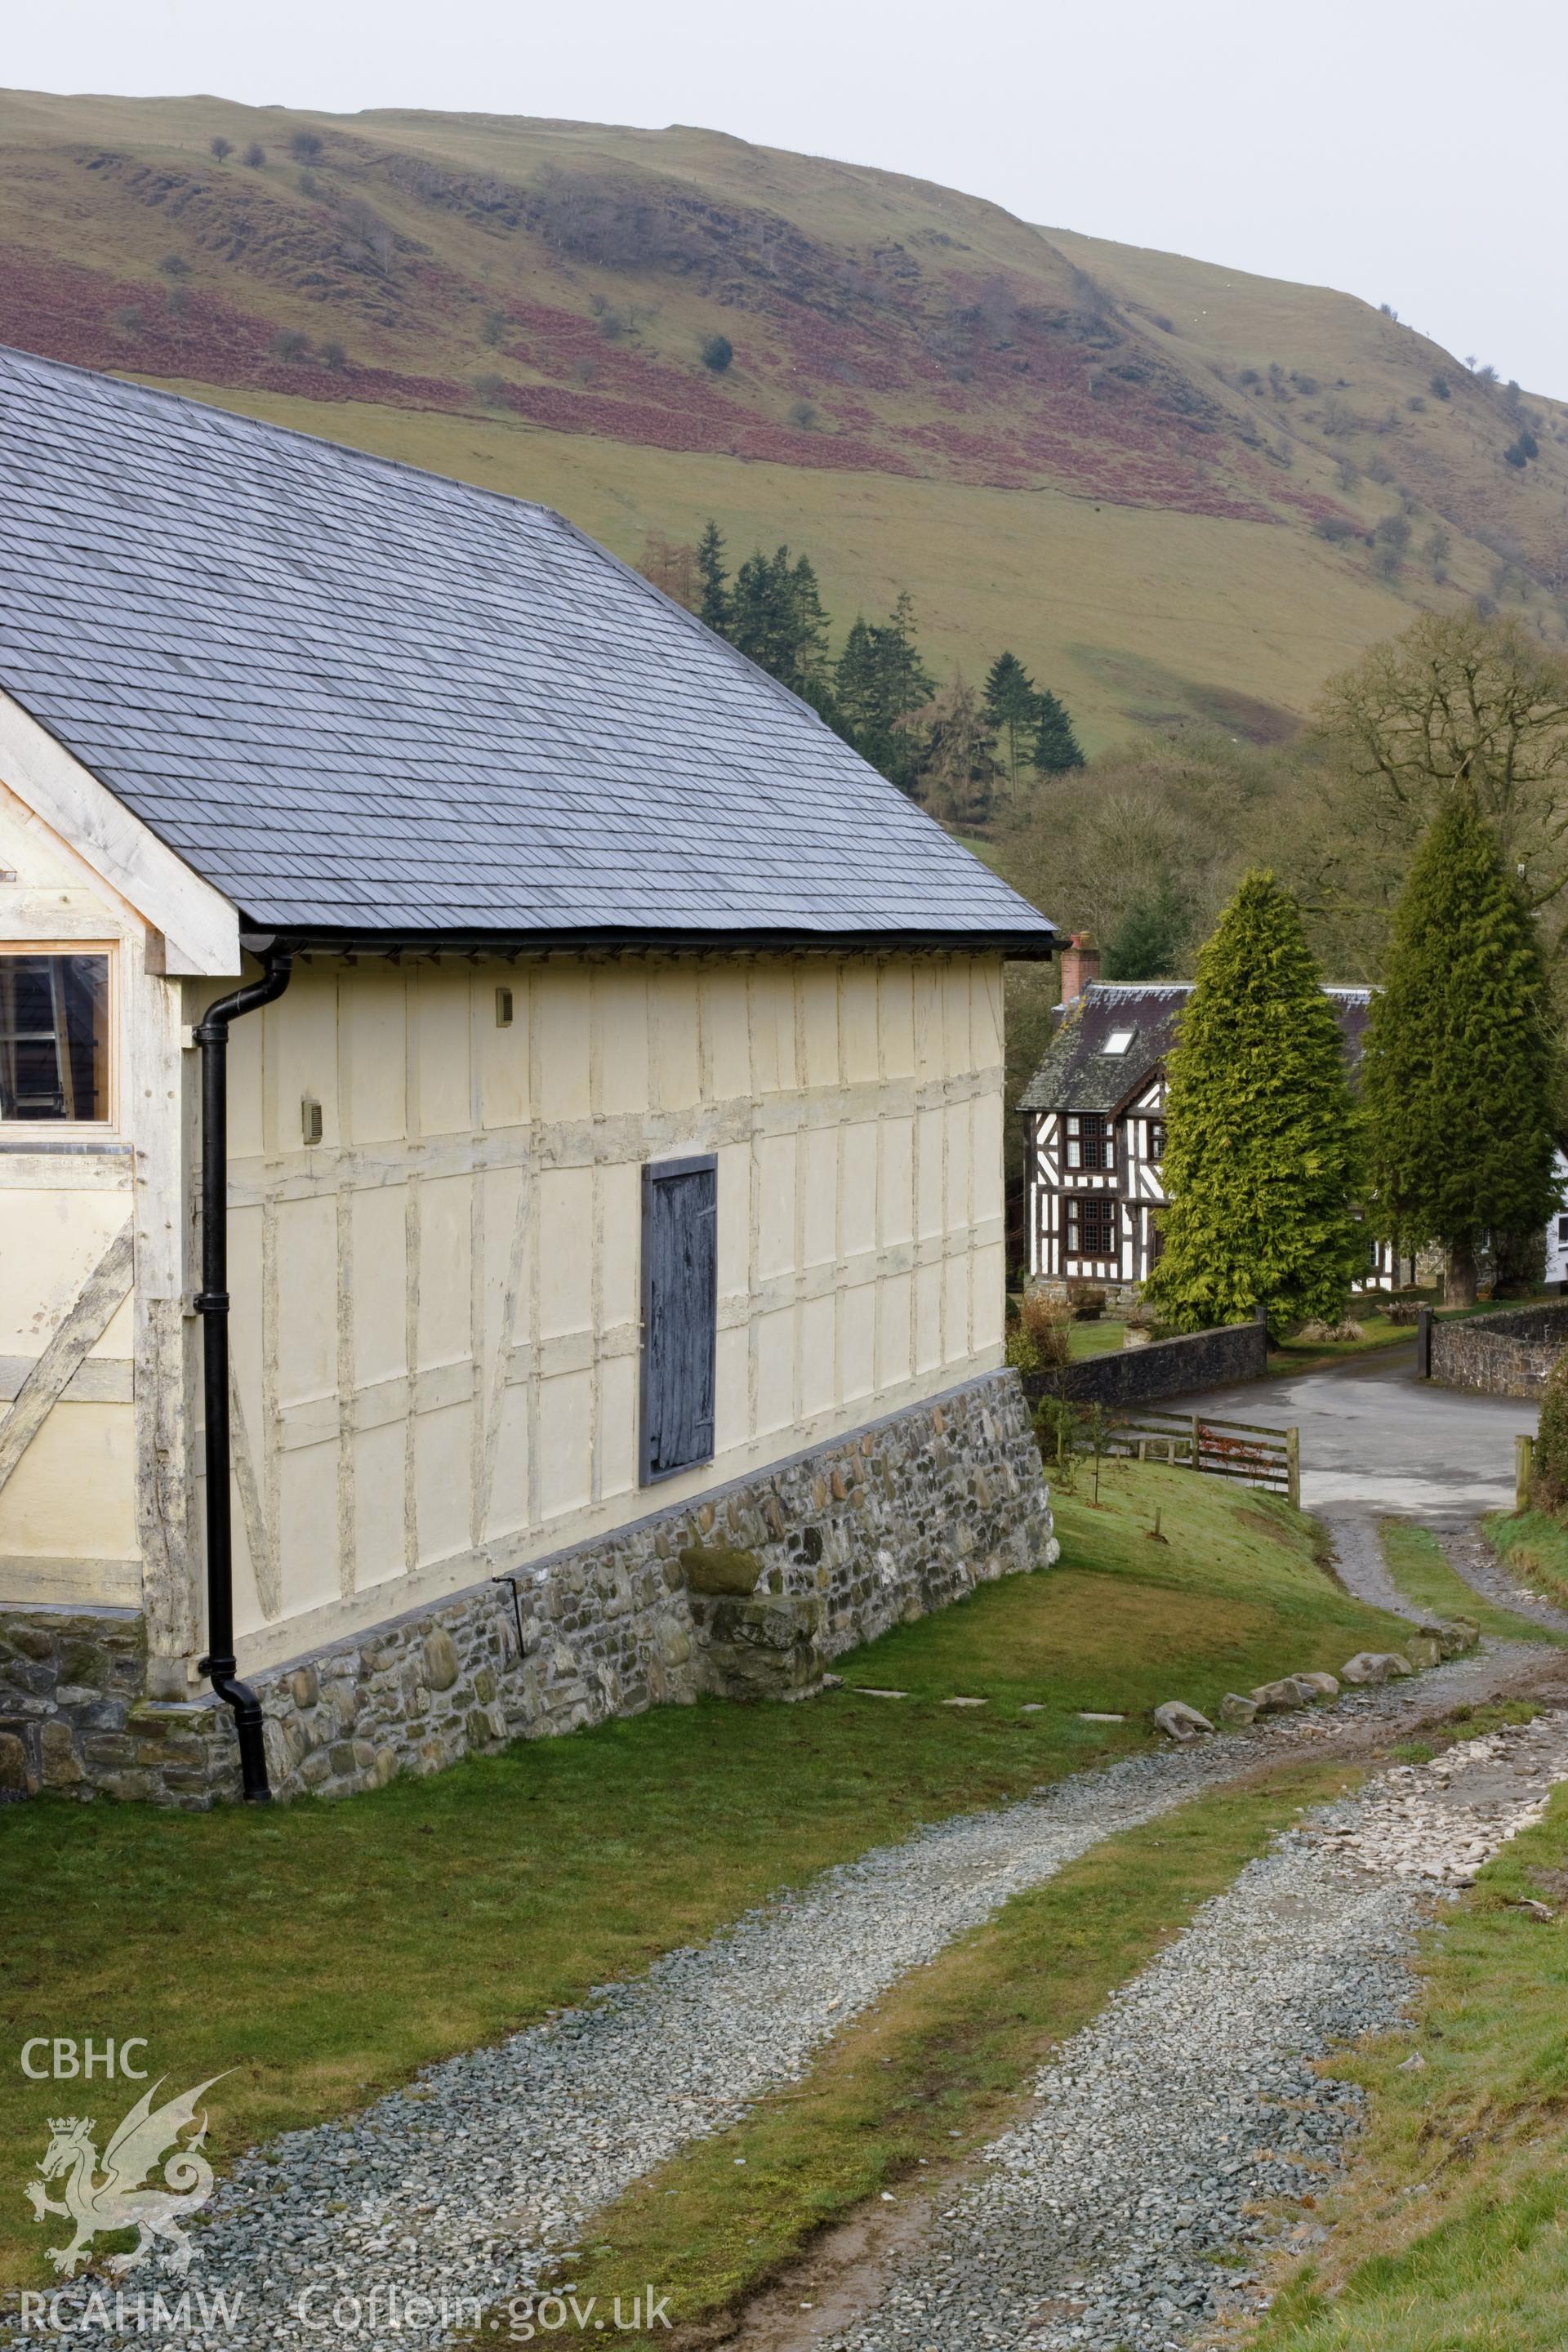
column 1452, row 2229
column 1536, row 1549
column 938, row 2066
column 324, row 1952
column 1416, row 1564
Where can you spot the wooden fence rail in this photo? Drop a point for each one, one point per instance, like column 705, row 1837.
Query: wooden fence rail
column 1259, row 1453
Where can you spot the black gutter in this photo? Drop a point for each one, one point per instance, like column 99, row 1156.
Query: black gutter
column 1031, row 946
column 220, row 1664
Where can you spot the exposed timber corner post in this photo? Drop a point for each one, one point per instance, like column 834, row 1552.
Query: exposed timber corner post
column 220, row 1664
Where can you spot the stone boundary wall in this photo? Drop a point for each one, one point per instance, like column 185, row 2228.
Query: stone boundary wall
column 745, row 1593
column 1510, row 1353
column 1196, row 1360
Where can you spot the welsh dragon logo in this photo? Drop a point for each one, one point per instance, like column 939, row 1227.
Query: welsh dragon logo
column 102, row 2197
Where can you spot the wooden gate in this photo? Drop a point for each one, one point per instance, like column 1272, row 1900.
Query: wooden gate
column 1258, row 1453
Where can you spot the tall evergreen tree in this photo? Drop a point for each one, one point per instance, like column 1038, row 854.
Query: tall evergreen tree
column 879, row 684
column 1262, row 1155
column 1055, row 748
column 714, row 605
column 777, row 618
column 1457, row 1073
column 1012, row 705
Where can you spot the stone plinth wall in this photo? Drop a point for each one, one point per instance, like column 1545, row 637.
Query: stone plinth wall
column 1198, row 1360
column 75, row 1717
column 745, row 1594
column 1510, row 1353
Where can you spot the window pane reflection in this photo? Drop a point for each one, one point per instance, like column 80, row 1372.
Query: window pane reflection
column 54, row 1038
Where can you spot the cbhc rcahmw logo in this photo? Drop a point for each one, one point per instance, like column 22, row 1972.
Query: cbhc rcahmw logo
column 101, row 2195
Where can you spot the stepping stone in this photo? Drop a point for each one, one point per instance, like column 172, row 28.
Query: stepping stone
column 1088, row 1715
column 966, row 1702
column 868, row 1690
column 1033, row 1706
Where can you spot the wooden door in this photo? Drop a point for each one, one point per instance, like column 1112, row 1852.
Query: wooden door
column 681, row 1298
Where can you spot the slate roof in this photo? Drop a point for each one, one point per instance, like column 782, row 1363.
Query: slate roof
column 362, row 700
column 1076, row 1073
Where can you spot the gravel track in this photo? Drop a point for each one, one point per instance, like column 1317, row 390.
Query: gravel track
column 461, row 2185
column 1125, row 2213
column 1360, row 1564
column 1471, row 1556
column 1363, row 1571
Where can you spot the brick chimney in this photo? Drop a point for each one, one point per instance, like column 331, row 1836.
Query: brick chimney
column 1080, row 965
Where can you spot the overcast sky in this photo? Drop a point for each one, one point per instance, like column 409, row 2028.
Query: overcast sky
column 1404, row 149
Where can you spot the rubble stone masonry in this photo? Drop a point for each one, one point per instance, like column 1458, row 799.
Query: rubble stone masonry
column 744, row 1593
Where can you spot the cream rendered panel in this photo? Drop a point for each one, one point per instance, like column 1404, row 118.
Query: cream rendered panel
column 437, row 1334
column 71, row 1511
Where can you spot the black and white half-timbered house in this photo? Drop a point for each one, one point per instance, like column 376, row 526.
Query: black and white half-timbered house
column 1095, row 1127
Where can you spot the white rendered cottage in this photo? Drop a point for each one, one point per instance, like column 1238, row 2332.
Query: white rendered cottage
column 1095, row 1127
column 613, row 1154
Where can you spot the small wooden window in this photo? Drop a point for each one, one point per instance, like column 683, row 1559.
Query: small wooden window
column 1090, row 1140
column 1156, row 1139
column 680, row 1302
column 54, row 1038
column 1092, row 1224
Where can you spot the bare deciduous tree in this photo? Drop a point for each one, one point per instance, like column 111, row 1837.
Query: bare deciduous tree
column 1459, row 698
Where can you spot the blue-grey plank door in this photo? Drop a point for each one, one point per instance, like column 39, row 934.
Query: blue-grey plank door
column 680, row 1299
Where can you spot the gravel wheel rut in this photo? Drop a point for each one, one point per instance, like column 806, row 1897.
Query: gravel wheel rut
column 456, row 2190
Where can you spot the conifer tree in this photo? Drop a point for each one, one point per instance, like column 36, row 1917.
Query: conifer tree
column 1056, row 748
column 1261, row 1138
column 1012, row 707
column 714, row 606
column 777, row 618
column 1457, row 1073
column 879, row 684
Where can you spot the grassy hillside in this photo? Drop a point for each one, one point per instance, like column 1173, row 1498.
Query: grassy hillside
column 1075, row 447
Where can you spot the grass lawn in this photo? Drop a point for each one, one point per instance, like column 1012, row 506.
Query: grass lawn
column 1452, row 2229
column 1295, row 1355
column 1416, row 1564
column 1096, row 1338
column 939, row 2065
column 1536, row 1547
column 325, row 1951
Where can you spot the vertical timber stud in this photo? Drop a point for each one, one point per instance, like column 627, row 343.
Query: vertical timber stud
column 220, row 1665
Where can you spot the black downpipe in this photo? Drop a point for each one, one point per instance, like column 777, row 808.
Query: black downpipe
column 220, row 1665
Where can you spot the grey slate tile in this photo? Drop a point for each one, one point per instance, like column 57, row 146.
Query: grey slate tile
column 353, row 695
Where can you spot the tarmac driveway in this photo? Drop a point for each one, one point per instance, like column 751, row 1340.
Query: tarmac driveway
column 1374, row 1435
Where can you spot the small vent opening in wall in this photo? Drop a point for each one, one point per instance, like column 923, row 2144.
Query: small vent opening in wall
column 310, row 1120
column 503, row 1008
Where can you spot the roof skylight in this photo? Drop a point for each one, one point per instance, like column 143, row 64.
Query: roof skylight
column 1117, row 1041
